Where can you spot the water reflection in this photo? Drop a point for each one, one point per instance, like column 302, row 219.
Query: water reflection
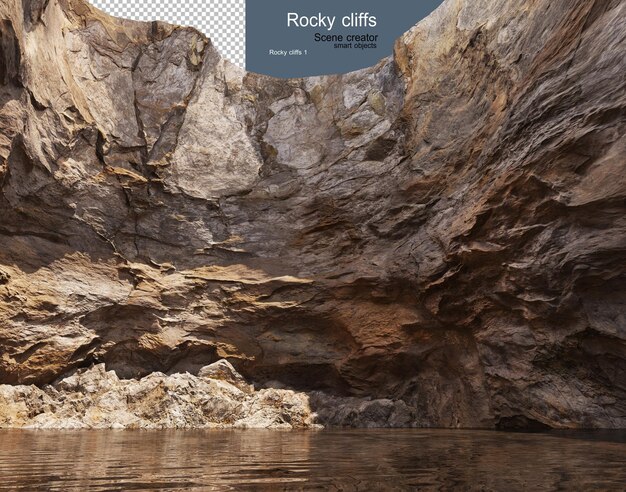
column 325, row 460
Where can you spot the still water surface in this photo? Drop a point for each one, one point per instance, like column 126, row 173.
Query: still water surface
column 324, row 460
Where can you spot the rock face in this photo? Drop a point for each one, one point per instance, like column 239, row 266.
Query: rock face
column 446, row 229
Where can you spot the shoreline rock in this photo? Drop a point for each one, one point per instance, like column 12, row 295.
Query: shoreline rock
column 94, row 398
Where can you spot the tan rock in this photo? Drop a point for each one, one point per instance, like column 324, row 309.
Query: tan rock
column 224, row 371
column 95, row 398
column 442, row 233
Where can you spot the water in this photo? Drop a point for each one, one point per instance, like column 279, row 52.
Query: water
column 324, row 460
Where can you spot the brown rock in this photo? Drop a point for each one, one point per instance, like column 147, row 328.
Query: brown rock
column 446, row 229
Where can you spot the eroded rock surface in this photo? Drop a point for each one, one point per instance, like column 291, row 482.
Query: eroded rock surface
column 96, row 399
column 446, row 229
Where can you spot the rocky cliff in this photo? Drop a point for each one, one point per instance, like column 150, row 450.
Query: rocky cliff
column 446, row 229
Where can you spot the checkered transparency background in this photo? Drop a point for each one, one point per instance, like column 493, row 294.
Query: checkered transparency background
column 224, row 21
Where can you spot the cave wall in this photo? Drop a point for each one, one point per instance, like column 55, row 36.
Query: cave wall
column 447, row 227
